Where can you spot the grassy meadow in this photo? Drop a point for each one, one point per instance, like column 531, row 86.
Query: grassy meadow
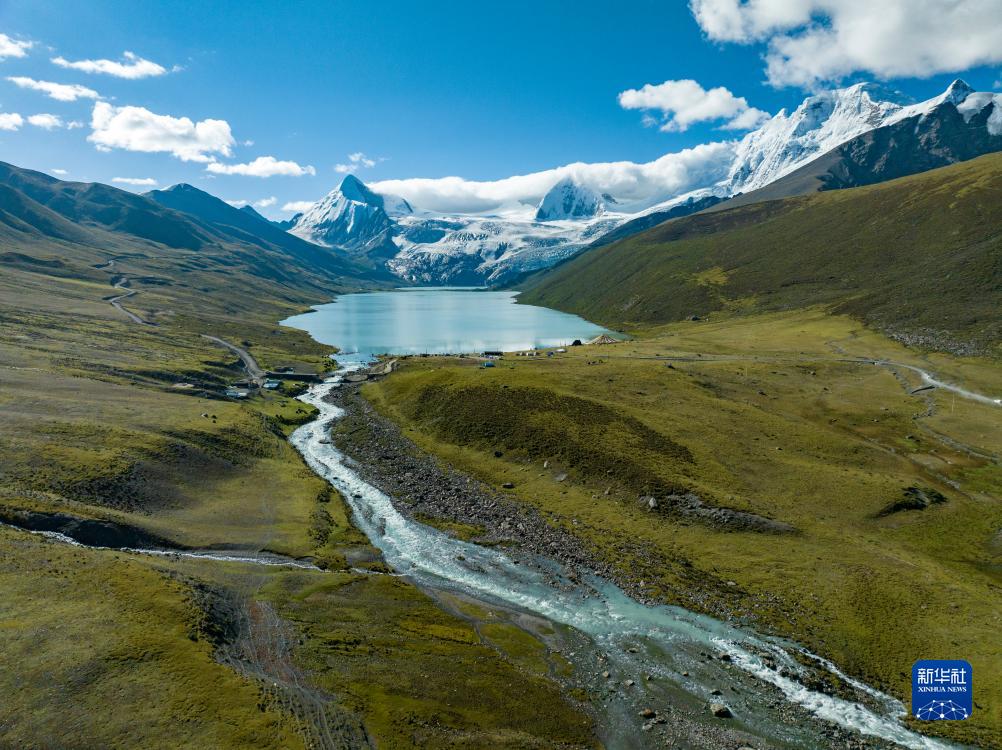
column 769, row 414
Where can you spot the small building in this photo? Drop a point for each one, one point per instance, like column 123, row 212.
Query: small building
column 272, row 384
column 236, row 393
column 493, row 354
column 603, row 339
column 488, row 363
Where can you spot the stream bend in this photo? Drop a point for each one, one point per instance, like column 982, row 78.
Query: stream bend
column 629, row 632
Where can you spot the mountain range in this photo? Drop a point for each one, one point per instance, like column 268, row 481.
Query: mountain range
column 835, row 139
column 168, row 245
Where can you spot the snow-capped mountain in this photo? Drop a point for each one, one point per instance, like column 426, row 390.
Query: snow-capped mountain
column 822, row 122
column 568, row 199
column 577, row 209
column 353, row 218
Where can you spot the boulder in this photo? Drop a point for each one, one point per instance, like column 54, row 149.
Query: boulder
column 720, row 711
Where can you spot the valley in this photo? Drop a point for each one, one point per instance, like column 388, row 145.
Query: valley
column 554, row 424
column 114, row 424
column 782, row 416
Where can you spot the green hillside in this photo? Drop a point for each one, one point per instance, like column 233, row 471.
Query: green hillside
column 114, row 418
column 919, row 258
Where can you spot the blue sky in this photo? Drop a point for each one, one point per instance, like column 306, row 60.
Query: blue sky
column 425, row 89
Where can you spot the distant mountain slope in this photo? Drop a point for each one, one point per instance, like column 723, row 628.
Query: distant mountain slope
column 252, row 212
column 646, row 221
column 237, row 225
column 91, row 204
column 936, row 136
column 919, row 257
column 91, row 231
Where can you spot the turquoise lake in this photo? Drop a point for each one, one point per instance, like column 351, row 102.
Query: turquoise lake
column 439, row 321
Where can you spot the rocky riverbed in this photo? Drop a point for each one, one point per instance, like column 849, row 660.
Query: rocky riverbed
column 427, row 490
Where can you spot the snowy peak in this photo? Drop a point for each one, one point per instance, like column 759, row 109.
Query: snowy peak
column 352, row 218
column 957, row 92
column 354, row 189
column 822, row 122
column 569, row 200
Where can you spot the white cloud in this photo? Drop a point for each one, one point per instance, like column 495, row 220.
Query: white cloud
column 13, row 47
column 297, row 206
column 137, row 181
column 361, row 159
column 814, row 41
column 10, row 121
column 683, row 103
column 356, row 161
column 736, row 21
column 131, row 67
column 62, row 92
column 46, row 121
column 663, row 178
column 262, row 203
column 263, row 166
column 60, row 172
column 138, row 129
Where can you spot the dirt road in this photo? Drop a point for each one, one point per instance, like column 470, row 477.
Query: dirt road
column 254, row 370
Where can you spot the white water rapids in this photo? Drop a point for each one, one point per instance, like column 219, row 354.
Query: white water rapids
column 616, row 623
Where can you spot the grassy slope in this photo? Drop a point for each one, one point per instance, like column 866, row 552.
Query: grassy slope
column 94, row 426
column 919, row 256
column 775, row 425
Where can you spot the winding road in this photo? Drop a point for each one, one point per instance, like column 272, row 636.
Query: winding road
column 254, row 370
column 116, row 302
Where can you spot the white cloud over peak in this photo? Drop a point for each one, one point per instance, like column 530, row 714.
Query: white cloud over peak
column 62, row 92
column 297, row 206
column 138, row 129
column 356, row 161
column 668, row 176
column 810, row 42
column 46, row 121
column 263, row 166
column 10, row 121
column 261, row 203
column 13, row 47
column 136, row 181
column 132, row 66
column 60, row 172
column 684, row 103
